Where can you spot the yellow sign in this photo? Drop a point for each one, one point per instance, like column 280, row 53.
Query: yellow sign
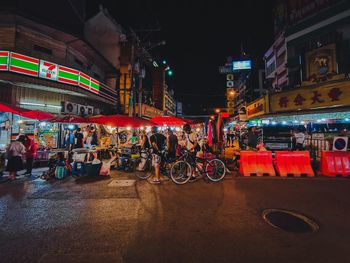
column 331, row 94
column 257, row 107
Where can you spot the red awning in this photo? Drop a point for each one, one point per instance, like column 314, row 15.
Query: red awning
column 37, row 115
column 70, row 119
column 120, row 121
column 12, row 109
column 168, row 120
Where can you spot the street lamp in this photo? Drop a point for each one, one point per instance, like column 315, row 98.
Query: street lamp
column 170, row 72
column 217, row 110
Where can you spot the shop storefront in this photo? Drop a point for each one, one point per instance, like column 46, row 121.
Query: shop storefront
column 36, row 84
column 322, row 111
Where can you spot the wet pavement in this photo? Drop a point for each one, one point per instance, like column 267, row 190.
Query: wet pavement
column 123, row 219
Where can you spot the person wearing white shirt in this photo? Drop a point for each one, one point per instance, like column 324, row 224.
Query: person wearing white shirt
column 299, row 140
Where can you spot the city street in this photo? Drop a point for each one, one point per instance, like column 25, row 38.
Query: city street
column 120, row 220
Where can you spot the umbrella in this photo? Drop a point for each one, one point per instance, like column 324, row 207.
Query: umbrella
column 168, row 120
column 120, row 121
column 37, row 115
column 70, row 119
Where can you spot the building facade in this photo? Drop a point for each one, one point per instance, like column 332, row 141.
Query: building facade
column 44, row 68
column 276, row 64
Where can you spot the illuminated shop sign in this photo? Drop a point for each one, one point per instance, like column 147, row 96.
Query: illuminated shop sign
column 241, row 65
column 48, row 70
column 18, row 63
column 4, row 57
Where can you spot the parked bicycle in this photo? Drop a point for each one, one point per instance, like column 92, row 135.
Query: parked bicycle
column 145, row 164
column 182, row 170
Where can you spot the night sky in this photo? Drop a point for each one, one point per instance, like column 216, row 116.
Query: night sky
column 200, row 35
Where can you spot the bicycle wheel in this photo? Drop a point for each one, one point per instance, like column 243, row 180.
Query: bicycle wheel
column 215, row 170
column 180, row 172
column 149, row 170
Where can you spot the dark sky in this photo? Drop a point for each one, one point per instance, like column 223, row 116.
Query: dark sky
column 200, row 35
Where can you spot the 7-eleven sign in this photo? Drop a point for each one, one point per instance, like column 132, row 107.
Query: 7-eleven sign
column 48, row 70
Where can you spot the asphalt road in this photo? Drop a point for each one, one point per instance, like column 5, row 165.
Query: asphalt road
column 103, row 220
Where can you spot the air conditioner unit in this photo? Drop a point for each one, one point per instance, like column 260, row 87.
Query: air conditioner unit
column 90, row 110
column 69, row 107
column 82, row 110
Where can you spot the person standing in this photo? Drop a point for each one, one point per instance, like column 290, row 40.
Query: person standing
column 79, row 138
column 252, row 138
column 30, row 154
column 113, row 139
column 157, row 142
column 144, row 142
column 191, row 145
column 88, row 140
column 15, row 152
column 171, row 144
column 69, row 140
column 94, row 140
column 299, row 140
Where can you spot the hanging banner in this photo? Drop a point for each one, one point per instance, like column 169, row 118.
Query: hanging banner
column 334, row 94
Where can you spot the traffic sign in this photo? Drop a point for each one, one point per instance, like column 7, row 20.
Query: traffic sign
column 340, row 143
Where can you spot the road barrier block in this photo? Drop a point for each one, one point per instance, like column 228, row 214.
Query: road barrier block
column 335, row 163
column 256, row 163
column 296, row 163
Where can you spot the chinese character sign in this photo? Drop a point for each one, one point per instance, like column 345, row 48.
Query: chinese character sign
column 337, row 94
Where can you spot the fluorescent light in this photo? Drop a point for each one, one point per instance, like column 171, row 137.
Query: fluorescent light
column 53, row 106
column 40, row 105
column 32, row 104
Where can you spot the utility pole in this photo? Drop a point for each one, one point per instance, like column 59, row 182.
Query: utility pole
column 140, row 95
column 125, row 75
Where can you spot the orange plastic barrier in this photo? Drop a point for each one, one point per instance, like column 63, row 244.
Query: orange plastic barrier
column 256, row 163
column 335, row 163
column 293, row 163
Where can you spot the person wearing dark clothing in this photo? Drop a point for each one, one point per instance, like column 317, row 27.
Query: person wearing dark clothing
column 30, row 154
column 157, row 142
column 94, row 140
column 14, row 154
column 252, row 138
column 172, row 144
column 79, row 138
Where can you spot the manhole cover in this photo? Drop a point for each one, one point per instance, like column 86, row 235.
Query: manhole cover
column 121, row 183
column 289, row 221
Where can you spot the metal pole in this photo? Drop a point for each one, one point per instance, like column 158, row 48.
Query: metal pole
column 125, row 74
column 140, row 96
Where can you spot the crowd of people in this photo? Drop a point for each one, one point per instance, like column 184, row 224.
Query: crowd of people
column 21, row 151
